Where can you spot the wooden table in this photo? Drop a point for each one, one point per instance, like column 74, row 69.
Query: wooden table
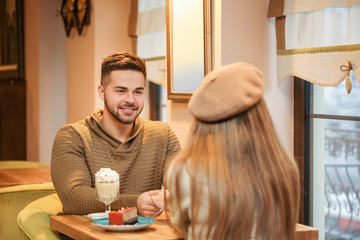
column 18, row 176
column 304, row 232
column 80, row 227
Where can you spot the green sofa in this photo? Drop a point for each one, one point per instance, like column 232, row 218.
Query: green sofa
column 13, row 199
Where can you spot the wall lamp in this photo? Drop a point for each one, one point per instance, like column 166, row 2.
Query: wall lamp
column 75, row 12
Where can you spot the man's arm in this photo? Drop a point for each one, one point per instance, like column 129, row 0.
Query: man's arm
column 173, row 147
column 71, row 176
column 152, row 202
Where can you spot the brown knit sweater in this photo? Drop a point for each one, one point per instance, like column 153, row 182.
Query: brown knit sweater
column 81, row 149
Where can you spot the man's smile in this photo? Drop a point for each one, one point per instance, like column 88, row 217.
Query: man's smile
column 128, row 109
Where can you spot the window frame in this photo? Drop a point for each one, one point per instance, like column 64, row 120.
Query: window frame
column 301, row 144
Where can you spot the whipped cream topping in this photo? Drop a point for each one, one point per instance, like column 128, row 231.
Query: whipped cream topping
column 106, row 175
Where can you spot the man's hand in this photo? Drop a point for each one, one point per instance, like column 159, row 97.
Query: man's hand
column 151, row 203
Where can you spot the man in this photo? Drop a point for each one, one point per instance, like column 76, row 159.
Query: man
column 115, row 138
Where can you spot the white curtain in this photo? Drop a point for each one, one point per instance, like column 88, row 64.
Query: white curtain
column 322, row 41
column 150, row 29
column 297, row 6
column 151, row 38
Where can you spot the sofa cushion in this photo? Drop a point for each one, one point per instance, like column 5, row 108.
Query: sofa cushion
column 34, row 219
column 22, row 164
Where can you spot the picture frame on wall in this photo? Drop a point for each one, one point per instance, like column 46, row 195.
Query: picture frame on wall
column 188, row 46
column 11, row 40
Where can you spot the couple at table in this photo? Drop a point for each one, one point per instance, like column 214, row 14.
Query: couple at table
column 232, row 179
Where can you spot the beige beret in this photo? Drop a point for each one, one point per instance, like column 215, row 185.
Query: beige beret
column 226, row 92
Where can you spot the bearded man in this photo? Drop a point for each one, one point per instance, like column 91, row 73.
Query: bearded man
column 116, row 138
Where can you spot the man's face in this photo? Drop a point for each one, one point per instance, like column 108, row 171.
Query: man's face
column 124, row 96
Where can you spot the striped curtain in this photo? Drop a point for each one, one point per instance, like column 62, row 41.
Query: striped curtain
column 147, row 26
column 318, row 41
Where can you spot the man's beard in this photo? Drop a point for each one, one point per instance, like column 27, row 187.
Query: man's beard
column 121, row 118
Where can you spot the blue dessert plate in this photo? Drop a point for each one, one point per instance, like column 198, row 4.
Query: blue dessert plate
column 143, row 222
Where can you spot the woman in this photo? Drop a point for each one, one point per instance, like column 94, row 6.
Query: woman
column 233, row 179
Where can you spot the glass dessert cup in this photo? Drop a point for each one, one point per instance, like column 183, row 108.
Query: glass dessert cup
column 107, row 193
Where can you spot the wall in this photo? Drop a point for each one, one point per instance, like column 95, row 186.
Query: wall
column 80, row 72
column 45, row 76
column 249, row 35
column 31, row 30
column 111, row 34
column 179, row 119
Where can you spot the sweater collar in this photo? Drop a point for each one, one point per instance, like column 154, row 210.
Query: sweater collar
column 95, row 124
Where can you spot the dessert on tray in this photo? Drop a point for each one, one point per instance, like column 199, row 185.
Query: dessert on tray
column 125, row 216
column 107, row 184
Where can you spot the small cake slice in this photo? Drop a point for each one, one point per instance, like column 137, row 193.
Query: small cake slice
column 125, row 216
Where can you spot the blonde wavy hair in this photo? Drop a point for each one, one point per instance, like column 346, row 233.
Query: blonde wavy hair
column 251, row 179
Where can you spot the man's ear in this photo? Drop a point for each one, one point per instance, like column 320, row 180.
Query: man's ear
column 101, row 92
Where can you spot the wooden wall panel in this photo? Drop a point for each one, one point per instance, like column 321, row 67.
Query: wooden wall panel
column 12, row 120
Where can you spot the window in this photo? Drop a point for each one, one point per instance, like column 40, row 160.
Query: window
column 158, row 97
column 333, row 163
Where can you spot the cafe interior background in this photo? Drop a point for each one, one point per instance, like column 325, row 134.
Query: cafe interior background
column 54, row 79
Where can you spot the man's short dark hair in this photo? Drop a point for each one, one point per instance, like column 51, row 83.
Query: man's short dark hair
column 121, row 61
